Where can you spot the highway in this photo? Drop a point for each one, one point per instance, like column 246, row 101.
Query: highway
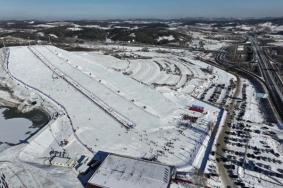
column 259, row 83
column 274, row 101
column 268, row 70
column 272, row 79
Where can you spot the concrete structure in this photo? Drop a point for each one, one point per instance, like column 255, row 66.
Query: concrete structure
column 63, row 162
column 117, row 171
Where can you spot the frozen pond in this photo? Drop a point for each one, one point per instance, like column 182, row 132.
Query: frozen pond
column 16, row 127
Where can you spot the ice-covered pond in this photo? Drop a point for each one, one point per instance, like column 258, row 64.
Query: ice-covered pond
column 16, row 127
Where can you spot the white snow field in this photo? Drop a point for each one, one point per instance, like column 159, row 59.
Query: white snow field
column 131, row 107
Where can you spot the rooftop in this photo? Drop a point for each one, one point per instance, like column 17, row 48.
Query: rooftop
column 117, row 171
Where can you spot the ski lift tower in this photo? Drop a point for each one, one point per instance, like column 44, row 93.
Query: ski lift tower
column 49, row 38
column 3, row 42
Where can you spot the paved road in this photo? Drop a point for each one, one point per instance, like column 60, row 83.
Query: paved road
column 222, row 171
column 211, row 141
column 271, row 78
column 274, row 104
column 221, row 63
column 270, row 75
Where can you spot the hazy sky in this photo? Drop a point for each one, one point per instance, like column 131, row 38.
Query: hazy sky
column 111, row 9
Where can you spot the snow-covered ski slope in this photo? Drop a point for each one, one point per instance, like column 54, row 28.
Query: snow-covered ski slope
column 126, row 107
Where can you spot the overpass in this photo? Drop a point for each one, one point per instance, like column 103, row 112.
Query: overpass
column 269, row 74
column 272, row 78
column 266, row 81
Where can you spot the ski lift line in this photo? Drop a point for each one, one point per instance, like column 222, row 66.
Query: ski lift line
column 109, row 110
column 113, row 90
column 7, row 54
column 97, row 99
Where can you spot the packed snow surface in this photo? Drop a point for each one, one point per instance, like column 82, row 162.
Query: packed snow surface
column 131, row 107
column 79, row 84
